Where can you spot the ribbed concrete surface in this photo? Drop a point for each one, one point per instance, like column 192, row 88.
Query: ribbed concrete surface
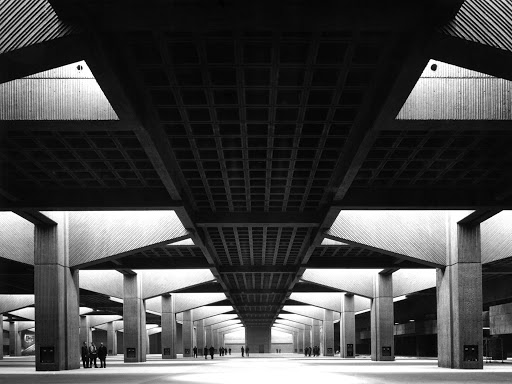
column 268, row 369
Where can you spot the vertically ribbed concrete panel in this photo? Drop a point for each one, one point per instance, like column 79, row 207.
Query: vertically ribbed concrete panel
column 483, row 21
column 358, row 281
column 106, row 282
column 28, row 22
column 97, row 235
column 16, row 238
column 10, row 303
column 67, row 93
column 327, row 300
column 157, row 282
column 417, row 234
column 496, row 235
column 407, row 281
column 454, row 93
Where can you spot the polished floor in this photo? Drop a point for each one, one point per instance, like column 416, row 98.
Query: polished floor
column 261, row 369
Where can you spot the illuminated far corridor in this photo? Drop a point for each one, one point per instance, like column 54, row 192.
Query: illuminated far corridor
column 260, row 369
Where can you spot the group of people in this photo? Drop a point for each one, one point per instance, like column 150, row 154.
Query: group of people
column 91, row 353
column 246, row 350
column 315, row 350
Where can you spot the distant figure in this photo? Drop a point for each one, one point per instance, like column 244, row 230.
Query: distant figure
column 309, row 351
column 242, row 349
column 247, row 350
column 212, row 350
column 195, row 351
column 229, row 351
column 221, row 351
column 93, row 355
column 205, row 352
column 85, row 355
column 102, row 355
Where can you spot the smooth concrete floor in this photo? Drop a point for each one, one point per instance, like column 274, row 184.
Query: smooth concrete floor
column 261, row 369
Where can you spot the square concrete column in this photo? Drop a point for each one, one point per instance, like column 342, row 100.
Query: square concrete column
column 134, row 317
column 347, row 327
column 188, row 334
column 111, row 339
column 209, row 336
column 85, row 331
column 168, row 327
column 215, row 339
column 315, row 334
column 258, row 339
column 328, row 333
column 56, row 298
column 301, row 341
column 2, row 338
column 382, row 317
column 201, row 337
column 14, row 339
column 459, row 300
column 307, row 336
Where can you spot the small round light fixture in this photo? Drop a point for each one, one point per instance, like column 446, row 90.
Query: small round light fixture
column 433, row 67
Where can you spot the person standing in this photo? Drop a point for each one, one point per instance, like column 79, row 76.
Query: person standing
column 229, row 351
column 93, row 355
column 195, row 351
column 242, row 350
column 212, row 350
column 102, row 355
column 247, row 350
column 205, row 352
column 85, row 355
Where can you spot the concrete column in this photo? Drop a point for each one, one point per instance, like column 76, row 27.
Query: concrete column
column 347, row 327
column 258, row 339
column 301, row 341
column 85, row 331
column 56, row 298
column 382, row 326
column 201, row 338
column 215, row 339
column 459, row 300
column 168, row 327
column 307, row 336
column 134, row 317
column 208, row 335
column 328, row 333
column 295, row 337
column 2, row 338
column 315, row 334
column 14, row 339
column 188, row 334
column 111, row 339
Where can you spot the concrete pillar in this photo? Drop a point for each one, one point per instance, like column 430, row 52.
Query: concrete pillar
column 258, row 339
column 134, row 317
column 14, row 339
column 382, row 326
column 168, row 327
column 56, row 298
column 328, row 333
column 85, row 331
column 315, row 334
column 301, row 341
column 347, row 327
column 2, row 338
column 188, row 334
column 208, row 336
column 200, row 336
column 215, row 339
column 307, row 336
column 295, row 337
column 459, row 300
column 111, row 339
